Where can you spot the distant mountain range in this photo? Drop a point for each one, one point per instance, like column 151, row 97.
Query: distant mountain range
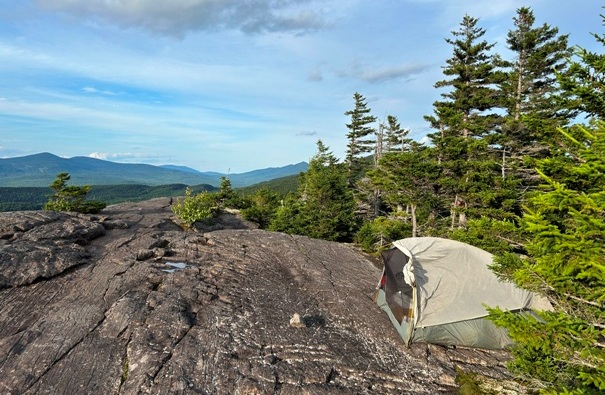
column 40, row 170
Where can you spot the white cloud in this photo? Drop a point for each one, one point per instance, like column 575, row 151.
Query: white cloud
column 116, row 156
column 378, row 74
column 99, row 155
column 405, row 71
column 178, row 17
column 92, row 89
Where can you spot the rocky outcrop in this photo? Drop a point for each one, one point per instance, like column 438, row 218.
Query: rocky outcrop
column 126, row 302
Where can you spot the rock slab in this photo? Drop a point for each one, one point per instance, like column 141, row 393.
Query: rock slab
column 127, row 302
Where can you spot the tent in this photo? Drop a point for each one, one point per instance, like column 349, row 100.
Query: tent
column 436, row 290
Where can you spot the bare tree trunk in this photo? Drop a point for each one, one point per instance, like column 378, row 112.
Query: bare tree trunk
column 462, row 220
column 378, row 153
column 439, row 157
column 378, row 150
column 453, row 212
column 458, row 204
column 465, row 129
column 414, row 222
column 519, row 97
column 377, row 202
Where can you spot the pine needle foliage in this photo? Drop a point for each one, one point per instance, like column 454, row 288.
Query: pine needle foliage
column 323, row 206
column 564, row 350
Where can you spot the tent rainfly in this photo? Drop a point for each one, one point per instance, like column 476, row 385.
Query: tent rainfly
column 436, row 290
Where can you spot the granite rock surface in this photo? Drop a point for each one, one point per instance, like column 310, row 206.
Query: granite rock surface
column 127, row 302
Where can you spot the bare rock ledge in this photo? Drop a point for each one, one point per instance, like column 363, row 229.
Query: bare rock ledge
column 126, row 302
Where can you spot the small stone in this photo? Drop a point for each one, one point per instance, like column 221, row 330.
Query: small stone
column 296, row 322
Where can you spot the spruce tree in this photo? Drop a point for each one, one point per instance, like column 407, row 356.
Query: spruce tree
column 391, row 137
column 395, row 137
column 361, row 139
column 262, row 208
column 464, row 121
column 532, row 95
column 227, row 196
column 585, row 82
column 71, row 198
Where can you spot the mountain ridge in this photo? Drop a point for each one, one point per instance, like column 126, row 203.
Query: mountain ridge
column 41, row 169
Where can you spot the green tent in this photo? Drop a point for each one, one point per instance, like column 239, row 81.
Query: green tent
column 435, row 290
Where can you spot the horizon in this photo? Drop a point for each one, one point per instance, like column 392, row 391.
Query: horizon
column 175, row 166
column 228, row 88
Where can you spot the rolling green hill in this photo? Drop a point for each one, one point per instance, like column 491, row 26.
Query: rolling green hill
column 40, row 170
column 282, row 185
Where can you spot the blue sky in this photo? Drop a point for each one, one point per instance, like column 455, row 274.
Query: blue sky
column 232, row 85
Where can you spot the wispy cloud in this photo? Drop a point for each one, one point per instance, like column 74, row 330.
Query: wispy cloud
column 117, row 156
column 405, row 71
column 178, row 17
column 310, row 133
column 92, row 89
column 378, row 74
column 315, row 76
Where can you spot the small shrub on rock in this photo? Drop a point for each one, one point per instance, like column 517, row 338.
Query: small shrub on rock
column 71, row 198
column 201, row 207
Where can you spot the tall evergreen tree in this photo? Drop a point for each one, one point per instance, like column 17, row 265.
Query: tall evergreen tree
column 361, row 139
column 473, row 81
column 532, row 94
column 395, row 137
column 466, row 118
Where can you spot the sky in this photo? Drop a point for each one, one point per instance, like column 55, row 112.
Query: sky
column 233, row 85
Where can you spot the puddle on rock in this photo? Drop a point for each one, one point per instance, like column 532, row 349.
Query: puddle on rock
column 175, row 266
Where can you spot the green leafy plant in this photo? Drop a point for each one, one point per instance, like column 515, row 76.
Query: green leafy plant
column 71, row 197
column 201, row 207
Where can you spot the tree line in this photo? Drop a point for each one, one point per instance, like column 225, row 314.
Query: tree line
column 515, row 164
